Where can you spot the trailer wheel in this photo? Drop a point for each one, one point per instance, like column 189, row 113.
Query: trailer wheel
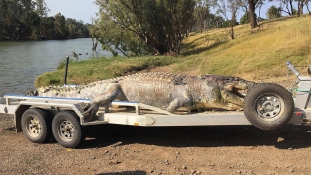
column 36, row 125
column 67, row 130
column 268, row 106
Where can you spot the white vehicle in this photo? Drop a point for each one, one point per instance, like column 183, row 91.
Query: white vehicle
column 267, row 106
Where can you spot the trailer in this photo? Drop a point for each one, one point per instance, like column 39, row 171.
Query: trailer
column 267, row 106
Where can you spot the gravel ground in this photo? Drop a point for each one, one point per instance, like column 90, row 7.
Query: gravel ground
column 122, row 150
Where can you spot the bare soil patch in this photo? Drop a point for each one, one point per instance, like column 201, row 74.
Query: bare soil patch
column 123, row 150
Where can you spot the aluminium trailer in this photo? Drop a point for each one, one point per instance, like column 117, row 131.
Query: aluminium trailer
column 39, row 118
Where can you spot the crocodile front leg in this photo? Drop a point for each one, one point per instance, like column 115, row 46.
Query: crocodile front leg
column 111, row 94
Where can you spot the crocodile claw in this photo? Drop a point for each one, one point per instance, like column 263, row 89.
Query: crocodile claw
column 90, row 111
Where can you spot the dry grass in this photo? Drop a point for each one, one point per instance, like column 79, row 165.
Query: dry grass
column 258, row 54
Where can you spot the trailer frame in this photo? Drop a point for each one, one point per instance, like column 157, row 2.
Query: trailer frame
column 143, row 115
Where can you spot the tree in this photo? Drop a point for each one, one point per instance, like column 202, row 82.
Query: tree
column 288, row 4
column 27, row 19
column 93, row 31
column 252, row 6
column 3, row 9
column 202, row 13
column 48, row 28
column 60, row 27
column 76, row 29
column 135, row 27
column 41, row 8
column 245, row 18
column 34, row 22
column 273, row 12
column 15, row 18
column 301, row 4
column 215, row 21
column 227, row 8
column 307, row 5
column 244, row 5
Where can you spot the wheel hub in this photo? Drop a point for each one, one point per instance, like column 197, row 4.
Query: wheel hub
column 66, row 130
column 269, row 107
column 34, row 127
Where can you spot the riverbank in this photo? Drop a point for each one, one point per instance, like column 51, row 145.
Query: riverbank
column 255, row 54
column 81, row 72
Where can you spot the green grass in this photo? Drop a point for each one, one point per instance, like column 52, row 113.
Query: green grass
column 255, row 54
column 101, row 68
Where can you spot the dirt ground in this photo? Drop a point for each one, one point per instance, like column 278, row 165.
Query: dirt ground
column 124, row 150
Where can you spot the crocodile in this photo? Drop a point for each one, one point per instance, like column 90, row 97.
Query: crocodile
column 163, row 90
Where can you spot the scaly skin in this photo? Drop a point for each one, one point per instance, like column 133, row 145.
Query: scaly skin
column 163, row 90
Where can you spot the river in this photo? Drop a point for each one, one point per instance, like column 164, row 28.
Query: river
column 21, row 62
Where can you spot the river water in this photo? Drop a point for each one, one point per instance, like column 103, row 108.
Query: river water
column 22, row 62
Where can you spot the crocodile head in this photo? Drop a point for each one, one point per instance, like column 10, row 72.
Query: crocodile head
column 229, row 83
column 236, row 84
column 232, row 90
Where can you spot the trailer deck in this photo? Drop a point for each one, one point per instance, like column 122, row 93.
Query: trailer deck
column 143, row 115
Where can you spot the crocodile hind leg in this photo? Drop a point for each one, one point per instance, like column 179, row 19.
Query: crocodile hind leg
column 179, row 102
column 111, row 94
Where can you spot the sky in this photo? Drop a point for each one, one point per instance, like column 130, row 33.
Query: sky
column 76, row 9
column 85, row 9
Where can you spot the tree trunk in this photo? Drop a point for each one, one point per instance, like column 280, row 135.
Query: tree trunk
column 308, row 8
column 291, row 7
column 232, row 32
column 94, row 44
column 252, row 5
column 300, row 8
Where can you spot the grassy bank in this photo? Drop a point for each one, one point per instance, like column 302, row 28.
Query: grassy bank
column 260, row 53
column 257, row 53
column 101, row 68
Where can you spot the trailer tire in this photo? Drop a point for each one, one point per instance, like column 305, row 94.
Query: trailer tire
column 36, row 125
column 268, row 106
column 67, row 130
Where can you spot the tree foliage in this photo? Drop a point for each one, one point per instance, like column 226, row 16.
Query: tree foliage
column 246, row 18
column 27, row 20
column 15, row 17
column 273, row 12
column 135, row 27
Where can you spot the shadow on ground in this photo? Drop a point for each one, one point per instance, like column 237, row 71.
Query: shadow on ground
column 125, row 173
column 289, row 137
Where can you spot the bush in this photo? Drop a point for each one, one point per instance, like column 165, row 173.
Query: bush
column 246, row 18
column 273, row 12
